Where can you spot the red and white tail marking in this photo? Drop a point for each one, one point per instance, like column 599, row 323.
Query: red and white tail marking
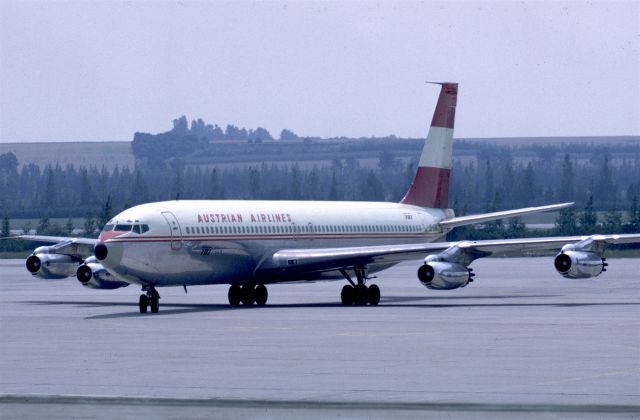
column 430, row 187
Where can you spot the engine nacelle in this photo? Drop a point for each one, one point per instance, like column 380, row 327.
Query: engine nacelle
column 51, row 266
column 574, row 264
column 94, row 275
column 440, row 275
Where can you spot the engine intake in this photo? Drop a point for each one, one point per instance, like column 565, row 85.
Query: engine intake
column 443, row 275
column 579, row 264
column 51, row 266
column 94, row 275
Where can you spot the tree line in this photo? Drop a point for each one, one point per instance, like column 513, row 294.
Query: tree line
column 497, row 179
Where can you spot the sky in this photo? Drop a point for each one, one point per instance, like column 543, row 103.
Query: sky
column 103, row 70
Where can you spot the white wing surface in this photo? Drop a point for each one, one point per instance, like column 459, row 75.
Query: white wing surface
column 301, row 262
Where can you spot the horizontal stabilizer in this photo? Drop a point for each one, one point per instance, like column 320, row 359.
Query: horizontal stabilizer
column 487, row 217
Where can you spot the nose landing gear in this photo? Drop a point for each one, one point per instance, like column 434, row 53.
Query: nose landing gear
column 150, row 299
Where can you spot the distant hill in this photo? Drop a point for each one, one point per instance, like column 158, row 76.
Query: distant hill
column 230, row 153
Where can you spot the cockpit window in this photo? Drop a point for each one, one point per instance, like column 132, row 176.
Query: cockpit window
column 138, row 228
column 107, row 228
column 123, row 228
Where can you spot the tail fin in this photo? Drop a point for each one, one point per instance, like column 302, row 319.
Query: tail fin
column 430, row 187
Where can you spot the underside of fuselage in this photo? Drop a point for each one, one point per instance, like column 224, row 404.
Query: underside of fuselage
column 193, row 262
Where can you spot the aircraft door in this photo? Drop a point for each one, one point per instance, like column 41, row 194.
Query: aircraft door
column 174, row 228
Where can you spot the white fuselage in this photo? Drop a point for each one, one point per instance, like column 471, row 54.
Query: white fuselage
column 213, row 242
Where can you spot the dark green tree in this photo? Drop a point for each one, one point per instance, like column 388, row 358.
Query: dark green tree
column 566, row 223
column 6, row 228
column 106, row 213
column 516, row 228
column 255, row 192
column 333, row 188
column 372, row 189
column 295, row 192
column 44, row 226
column 89, row 226
column 588, row 220
column 69, row 226
column 26, row 228
column 634, row 217
column 288, row 135
column 612, row 221
column 567, row 180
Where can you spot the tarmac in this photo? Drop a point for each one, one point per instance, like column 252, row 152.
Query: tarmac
column 521, row 340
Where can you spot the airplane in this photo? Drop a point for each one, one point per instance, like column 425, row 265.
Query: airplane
column 251, row 244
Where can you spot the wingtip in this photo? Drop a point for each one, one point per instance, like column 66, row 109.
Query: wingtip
column 430, row 82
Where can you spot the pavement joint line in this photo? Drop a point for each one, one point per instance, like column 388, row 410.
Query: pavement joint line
column 305, row 404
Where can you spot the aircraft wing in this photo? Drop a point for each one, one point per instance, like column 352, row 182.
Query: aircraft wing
column 291, row 261
column 297, row 262
column 486, row 217
column 75, row 247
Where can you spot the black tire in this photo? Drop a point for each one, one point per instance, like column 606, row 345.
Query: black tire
column 347, row 294
column 143, row 303
column 374, row 295
column 361, row 295
column 261, row 295
column 248, row 295
column 235, row 295
column 154, row 302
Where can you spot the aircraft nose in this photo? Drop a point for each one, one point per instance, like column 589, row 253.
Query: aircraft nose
column 109, row 254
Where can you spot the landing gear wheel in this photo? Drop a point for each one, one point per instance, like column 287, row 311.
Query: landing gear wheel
column 248, row 295
column 143, row 302
column 261, row 294
column 235, row 295
column 361, row 295
column 374, row 295
column 154, row 302
column 346, row 295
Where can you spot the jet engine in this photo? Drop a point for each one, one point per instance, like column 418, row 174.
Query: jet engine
column 443, row 275
column 48, row 265
column 574, row 264
column 92, row 274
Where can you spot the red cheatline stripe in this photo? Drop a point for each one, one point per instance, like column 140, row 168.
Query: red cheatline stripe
column 264, row 237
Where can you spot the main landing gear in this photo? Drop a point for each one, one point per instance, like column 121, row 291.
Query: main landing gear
column 248, row 294
column 150, row 299
column 359, row 294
